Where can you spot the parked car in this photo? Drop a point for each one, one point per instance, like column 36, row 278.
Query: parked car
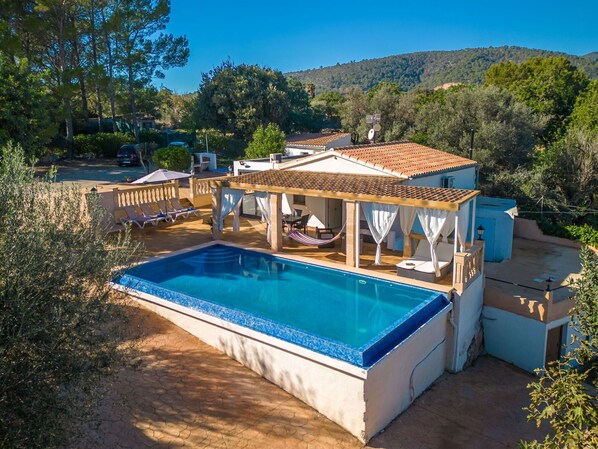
column 179, row 144
column 127, row 155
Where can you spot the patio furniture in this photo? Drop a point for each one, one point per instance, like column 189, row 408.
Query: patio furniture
column 290, row 221
column 420, row 265
column 151, row 210
column 180, row 210
column 325, row 234
column 141, row 220
column 302, row 223
column 298, row 212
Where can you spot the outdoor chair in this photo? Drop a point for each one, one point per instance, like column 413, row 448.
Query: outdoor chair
column 178, row 210
column 151, row 209
column 298, row 212
column 302, row 224
column 139, row 219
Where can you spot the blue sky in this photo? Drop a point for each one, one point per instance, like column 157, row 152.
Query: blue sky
column 307, row 34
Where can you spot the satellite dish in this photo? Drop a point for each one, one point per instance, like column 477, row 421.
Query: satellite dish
column 377, row 127
column 371, row 134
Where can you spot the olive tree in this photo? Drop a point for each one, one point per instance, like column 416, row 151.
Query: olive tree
column 60, row 325
column 563, row 395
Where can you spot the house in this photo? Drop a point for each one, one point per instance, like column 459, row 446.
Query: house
column 304, row 144
column 414, row 164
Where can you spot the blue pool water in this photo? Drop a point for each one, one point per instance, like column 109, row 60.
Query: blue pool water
column 347, row 316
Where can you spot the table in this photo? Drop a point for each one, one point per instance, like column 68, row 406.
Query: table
column 291, row 219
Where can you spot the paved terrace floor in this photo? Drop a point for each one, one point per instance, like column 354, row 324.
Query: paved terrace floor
column 187, row 394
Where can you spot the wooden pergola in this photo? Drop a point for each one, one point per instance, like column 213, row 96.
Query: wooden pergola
column 351, row 188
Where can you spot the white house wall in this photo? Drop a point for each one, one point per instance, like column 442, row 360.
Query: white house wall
column 514, row 339
column 335, row 164
column 464, row 179
column 291, row 151
column 467, row 314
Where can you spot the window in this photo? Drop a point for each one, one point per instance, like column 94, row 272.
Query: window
column 447, row 182
column 299, row 199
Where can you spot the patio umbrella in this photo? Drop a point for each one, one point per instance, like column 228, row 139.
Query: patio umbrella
column 161, row 176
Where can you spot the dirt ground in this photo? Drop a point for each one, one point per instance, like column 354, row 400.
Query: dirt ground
column 187, row 394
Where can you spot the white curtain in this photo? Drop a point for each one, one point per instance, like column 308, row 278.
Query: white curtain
column 230, row 199
column 463, row 216
column 286, row 206
column 432, row 221
column 449, row 226
column 380, row 218
column 406, row 218
column 263, row 201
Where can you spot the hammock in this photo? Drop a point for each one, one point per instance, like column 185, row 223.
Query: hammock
column 312, row 241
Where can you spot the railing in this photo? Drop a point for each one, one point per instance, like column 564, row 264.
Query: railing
column 145, row 194
column 199, row 187
column 468, row 266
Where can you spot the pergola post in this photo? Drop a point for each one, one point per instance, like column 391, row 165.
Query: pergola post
column 276, row 221
column 351, row 250
column 216, row 208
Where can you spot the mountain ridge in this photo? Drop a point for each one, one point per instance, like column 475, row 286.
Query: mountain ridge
column 429, row 68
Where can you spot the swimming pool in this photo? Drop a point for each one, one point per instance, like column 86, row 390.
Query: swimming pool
column 347, row 316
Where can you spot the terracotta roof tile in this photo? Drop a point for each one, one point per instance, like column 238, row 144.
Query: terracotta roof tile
column 406, row 159
column 315, row 139
column 383, row 189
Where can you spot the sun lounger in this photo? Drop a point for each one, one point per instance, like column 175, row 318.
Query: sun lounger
column 420, row 265
column 178, row 210
column 141, row 220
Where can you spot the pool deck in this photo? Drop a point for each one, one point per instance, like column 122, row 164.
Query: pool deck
column 252, row 234
column 186, row 394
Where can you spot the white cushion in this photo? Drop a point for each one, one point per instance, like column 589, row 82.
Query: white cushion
column 427, row 267
column 416, row 261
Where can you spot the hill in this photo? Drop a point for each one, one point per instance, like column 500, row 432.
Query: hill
column 428, row 68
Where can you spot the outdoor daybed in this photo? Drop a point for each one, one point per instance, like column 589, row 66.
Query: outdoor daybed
column 420, row 265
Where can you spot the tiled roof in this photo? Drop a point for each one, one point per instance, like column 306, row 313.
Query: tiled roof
column 380, row 189
column 406, row 159
column 315, row 139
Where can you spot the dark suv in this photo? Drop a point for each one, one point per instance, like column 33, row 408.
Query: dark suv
column 127, row 155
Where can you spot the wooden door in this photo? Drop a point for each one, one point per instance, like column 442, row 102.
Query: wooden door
column 554, row 341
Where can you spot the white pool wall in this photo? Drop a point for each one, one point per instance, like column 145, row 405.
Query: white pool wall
column 362, row 401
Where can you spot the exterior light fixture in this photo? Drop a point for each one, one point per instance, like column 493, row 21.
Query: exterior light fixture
column 481, row 232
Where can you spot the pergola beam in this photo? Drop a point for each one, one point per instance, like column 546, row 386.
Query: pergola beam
column 412, row 202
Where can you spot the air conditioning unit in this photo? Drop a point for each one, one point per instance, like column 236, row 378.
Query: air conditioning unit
column 276, row 158
column 447, row 182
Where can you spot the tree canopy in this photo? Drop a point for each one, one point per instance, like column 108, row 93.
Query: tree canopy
column 549, row 86
column 238, row 99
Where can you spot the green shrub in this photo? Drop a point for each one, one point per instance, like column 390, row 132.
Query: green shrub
column 265, row 141
column 60, row 325
column 585, row 234
column 172, row 158
column 101, row 144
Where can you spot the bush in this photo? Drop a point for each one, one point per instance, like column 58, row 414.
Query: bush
column 172, row 158
column 101, row 144
column 265, row 141
column 585, row 234
column 60, row 325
